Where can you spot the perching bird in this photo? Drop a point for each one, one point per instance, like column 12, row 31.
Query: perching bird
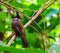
column 19, row 29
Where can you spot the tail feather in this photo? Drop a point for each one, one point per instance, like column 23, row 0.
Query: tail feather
column 24, row 41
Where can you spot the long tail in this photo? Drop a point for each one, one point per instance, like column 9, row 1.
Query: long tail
column 24, row 41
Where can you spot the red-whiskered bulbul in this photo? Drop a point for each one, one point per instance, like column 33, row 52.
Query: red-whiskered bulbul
column 18, row 28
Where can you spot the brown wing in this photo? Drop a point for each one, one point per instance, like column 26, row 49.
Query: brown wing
column 15, row 28
column 19, row 30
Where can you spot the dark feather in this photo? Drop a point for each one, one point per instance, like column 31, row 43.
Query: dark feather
column 19, row 30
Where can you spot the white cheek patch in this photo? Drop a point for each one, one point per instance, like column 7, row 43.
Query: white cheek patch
column 16, row 18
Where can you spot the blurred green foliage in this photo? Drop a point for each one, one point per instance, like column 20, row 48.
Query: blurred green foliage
column 51, row 18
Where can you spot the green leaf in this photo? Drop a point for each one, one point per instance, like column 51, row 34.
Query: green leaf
column 33, row 7
column 23, row 50
column 2, row 43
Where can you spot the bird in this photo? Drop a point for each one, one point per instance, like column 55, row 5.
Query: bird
column 18, row 28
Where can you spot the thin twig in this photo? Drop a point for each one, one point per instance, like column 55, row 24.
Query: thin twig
column 11, row 40
column 44, row 34
column 44, row 42
column 38, row 25
column 7, row 5
column 36, row 30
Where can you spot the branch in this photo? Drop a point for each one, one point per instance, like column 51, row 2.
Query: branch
column 39, row 12
column 7, row 5
column 45, row 6
column 11, row 40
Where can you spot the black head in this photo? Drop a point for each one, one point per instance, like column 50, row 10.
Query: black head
column 17, row 15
